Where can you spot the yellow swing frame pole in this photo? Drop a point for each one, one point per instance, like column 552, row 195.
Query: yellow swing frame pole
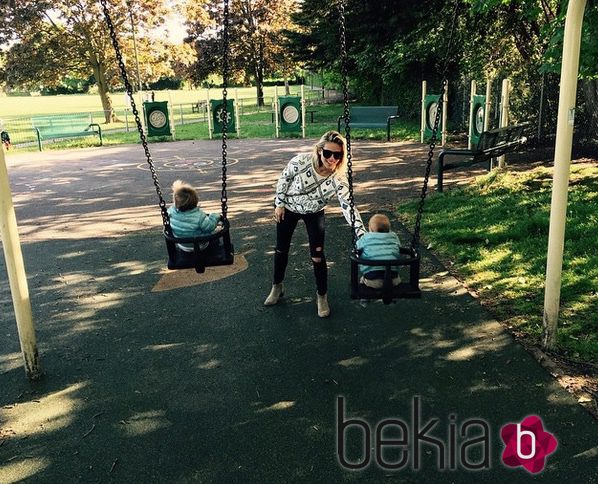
column 16, row 275
column 562, row 166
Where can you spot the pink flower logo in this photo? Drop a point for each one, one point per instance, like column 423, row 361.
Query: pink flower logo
column 527, row 444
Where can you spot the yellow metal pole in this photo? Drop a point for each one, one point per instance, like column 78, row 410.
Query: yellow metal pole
column 303, row 112
column 276, row 107
column 209, row 108
column 488, row 105
column 16, row 275
column 472, row 93
column 562, row 164
column 504, row 112
column 444, row 114
column 423, row 123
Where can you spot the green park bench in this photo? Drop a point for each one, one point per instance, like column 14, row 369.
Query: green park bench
column 492, row 144
column 64, row 126
column 372, row 117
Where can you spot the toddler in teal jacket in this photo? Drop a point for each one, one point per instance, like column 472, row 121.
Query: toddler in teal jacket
column 380, row 243
column 186, row 218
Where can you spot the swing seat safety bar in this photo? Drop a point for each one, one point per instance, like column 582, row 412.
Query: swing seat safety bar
column 219, row 250
column 404, row 290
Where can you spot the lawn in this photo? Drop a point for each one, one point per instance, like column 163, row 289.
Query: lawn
column 253, row 123
column 27, row 106
column 494, row 236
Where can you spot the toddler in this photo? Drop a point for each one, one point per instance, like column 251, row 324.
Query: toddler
column 186, row 218
column 380, row 243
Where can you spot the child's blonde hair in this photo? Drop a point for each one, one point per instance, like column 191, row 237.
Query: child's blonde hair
column 184, row 196
column 379, row 223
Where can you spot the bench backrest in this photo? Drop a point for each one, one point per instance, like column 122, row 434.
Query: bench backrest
column 62, row 123
column 500, row 136
column 372, row 113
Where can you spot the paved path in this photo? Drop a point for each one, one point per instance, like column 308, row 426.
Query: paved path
column 204, row 384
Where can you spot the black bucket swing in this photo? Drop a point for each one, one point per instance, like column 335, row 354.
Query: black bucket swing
column 410, row 256
column 209, row 250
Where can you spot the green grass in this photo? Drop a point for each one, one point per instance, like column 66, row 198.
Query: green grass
column 496, row 235
column 253, row 124
column 26, row 106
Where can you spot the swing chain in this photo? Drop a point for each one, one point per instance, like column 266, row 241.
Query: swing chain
column 347, row 117
column 433, row 139
column 225, row 73
column 129, row 90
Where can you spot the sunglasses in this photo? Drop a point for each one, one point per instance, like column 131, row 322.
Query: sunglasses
column 327, row 154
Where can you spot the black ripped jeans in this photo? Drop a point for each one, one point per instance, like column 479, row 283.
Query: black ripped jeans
column 314, row 223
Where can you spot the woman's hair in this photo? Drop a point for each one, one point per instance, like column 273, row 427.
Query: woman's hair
column 184, row 196
column 338, row 139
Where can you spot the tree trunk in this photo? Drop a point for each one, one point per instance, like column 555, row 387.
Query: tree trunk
column 590, row 94
column 100, row 75
column 287, row 88
column 259, row 75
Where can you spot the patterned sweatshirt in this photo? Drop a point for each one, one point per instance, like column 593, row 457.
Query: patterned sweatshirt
column 302, row 190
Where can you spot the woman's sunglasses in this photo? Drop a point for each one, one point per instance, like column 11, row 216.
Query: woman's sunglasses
column 337, row 154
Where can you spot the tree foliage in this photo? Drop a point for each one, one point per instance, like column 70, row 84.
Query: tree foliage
column 51, row 41
column 255, row 36
column 393, row 46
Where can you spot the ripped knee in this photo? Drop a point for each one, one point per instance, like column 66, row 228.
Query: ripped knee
column 317, row 255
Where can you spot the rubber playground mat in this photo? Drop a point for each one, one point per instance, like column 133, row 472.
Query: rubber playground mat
column 155, row 376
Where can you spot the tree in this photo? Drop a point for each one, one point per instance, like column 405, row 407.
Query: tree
column 68, row 38
column 255, row 36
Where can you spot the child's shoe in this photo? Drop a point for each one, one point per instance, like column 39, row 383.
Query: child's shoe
column 276, row 293
column 323, row 308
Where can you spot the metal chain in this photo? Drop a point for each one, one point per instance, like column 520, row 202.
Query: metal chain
column 129, row 89
column 439, row 106
column 433, row 139
column 347, row 116
column 225, row 73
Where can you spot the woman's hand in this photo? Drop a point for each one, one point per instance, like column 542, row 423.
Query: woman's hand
column 279, row 214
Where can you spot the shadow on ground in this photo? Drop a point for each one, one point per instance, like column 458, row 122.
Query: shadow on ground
column 205, row 384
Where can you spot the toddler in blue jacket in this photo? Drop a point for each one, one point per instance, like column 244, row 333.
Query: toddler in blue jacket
column 186, row 218
column 380, row 243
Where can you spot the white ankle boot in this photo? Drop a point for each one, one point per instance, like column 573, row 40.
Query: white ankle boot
column 323, row 308
column 276, row 293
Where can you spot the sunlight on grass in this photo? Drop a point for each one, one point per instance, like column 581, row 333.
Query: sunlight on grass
column 496, row 234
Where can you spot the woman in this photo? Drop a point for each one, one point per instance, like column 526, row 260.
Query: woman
column 304, row 188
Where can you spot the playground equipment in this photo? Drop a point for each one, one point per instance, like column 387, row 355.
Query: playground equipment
column 158, row 119
column 289, row 113
column 220, row 110
column 430, row 103
column 219, row 249
column 16, row 276
column 479, row 113
column 562, row 168
column 411, row 255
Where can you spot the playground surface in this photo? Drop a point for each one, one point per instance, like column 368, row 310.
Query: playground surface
column 157, row 376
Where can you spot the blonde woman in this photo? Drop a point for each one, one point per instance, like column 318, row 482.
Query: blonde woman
column 304, row 188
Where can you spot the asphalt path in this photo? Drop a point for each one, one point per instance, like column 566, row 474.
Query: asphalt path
column 201, row 383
